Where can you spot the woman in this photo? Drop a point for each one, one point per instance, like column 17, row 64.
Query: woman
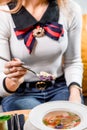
column 40, row 34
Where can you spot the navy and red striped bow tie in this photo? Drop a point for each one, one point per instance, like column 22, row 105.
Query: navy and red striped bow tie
column 52, row 30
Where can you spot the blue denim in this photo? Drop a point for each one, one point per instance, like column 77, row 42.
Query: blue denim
column 29, row 98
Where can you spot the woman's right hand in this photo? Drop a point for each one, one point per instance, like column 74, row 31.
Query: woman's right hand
column 14, row 73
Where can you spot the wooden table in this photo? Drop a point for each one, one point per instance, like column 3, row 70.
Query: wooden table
column 25, row 112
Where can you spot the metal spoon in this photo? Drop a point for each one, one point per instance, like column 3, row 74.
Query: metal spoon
column 41, row 77
column 23, row 66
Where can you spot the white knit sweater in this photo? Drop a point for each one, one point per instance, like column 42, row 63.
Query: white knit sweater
column 47, row 54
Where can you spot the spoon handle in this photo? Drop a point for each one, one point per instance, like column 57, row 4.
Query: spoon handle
column 23, row 66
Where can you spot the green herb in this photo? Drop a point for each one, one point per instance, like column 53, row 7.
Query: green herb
column 45, row 122
column 78, row 120
column 5, row 117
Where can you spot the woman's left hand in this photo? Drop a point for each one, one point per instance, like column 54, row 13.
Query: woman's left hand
column 75, row 94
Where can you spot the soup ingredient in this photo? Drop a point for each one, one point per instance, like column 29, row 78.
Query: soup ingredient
column 44, row 76
column 59, row 126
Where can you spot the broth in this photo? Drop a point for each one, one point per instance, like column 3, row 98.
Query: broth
column 61, row 120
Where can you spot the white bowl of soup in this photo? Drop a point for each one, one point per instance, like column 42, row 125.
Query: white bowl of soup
column 57, row 115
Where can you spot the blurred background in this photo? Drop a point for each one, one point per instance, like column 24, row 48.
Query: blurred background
column 83, row 5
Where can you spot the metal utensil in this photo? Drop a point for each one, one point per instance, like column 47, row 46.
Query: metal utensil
column 16, row 118
column 42, row 77
column 12, row 122
column 23, row 66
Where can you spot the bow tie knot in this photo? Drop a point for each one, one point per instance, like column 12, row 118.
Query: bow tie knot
column 38, row 32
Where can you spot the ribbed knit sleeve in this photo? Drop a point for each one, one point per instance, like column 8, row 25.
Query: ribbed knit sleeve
column 72, row 58
column 4, row 46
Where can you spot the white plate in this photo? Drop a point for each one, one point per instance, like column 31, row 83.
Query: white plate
column 34, row 121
